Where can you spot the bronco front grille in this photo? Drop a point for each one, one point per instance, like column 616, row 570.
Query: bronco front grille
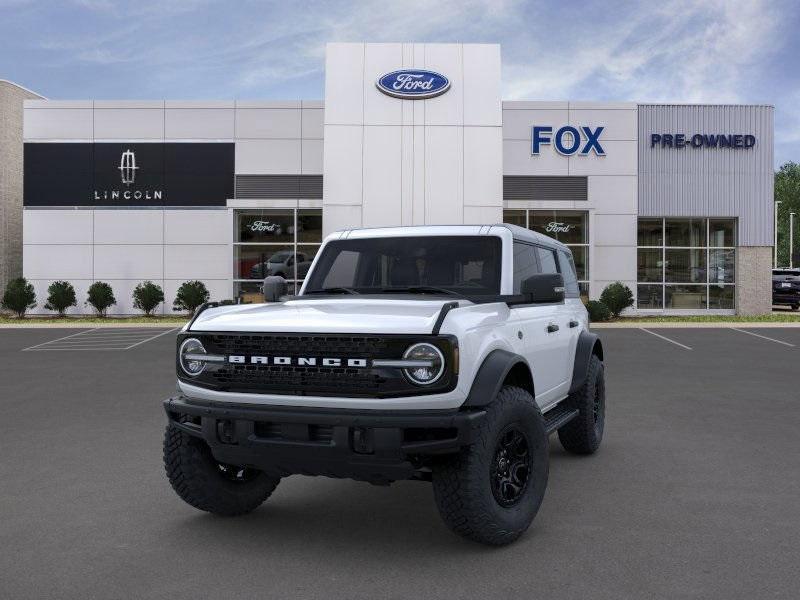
column 293, row 379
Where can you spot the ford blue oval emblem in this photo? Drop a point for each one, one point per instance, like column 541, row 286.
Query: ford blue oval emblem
column 413, row 84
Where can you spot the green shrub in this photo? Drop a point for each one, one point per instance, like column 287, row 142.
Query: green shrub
column 60, row 296
column 617, row 297
column 19, row 297
column 597, row 311
column 190, row 295
column 101, row 297
column 147, row 296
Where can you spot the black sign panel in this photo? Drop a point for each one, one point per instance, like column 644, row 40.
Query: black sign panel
column 128, row 174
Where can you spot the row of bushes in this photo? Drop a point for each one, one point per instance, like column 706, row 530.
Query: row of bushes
column 20, row 297
column 614, row 299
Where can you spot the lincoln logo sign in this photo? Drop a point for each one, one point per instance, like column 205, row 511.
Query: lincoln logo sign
column 568, row 140
column 127, row 167
column 413, row 84
column 298, row 361
column 127, row 173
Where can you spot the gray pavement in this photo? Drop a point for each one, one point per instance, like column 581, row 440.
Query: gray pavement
column 694, row 494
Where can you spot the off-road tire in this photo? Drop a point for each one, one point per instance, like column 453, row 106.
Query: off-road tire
column 462, row 484
column 584, row 433
column 200, row 480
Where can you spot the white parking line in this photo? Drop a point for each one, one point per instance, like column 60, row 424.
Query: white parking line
column 658, row 335
column 59, row 339
column 99, row 339
column 763, row 337
column 154, row 337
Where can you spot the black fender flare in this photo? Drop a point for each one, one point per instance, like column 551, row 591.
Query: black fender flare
column 491, row 375
column 588, row 344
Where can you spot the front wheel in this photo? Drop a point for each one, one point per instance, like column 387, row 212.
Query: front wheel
column 209, row 485
column 491, row 491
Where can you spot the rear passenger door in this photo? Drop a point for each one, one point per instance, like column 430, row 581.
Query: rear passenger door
column 532, row 320
column 572, row 304
column 558, row 331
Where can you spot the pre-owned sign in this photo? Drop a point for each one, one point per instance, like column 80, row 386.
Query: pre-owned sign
column 702, row 140
column 128, row 174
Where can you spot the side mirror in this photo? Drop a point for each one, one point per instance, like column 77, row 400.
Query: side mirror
column 274, row 287
column 544, row 288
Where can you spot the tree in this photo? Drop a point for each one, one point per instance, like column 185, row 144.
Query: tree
column 190, row 295
column 19, row 296
column 147, row 296
column 60, row 296
column 101, row 297
column 617, row 297
column 787, row 191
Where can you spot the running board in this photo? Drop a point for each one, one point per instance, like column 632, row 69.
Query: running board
column 558, row 417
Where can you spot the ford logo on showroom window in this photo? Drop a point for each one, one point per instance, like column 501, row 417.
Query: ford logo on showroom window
column 413, row 84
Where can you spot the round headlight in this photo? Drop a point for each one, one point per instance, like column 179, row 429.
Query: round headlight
column 187, row 355
column 424, row 375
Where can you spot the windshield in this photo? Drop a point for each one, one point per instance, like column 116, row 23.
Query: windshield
column 466, row 265
column 279, row 257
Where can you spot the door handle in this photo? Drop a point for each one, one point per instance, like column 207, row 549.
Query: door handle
column 573, row 323
column 552, row 328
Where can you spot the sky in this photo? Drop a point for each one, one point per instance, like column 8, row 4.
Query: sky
column 713, row 51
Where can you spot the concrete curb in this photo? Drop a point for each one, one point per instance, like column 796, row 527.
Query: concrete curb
column 684, row 325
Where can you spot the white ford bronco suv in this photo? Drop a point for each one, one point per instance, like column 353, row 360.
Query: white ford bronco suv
column 440, row 353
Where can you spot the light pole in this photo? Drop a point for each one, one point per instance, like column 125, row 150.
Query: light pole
column 791, row 238
column 777, row 202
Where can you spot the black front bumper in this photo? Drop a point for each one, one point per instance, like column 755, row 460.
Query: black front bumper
column 376, row 446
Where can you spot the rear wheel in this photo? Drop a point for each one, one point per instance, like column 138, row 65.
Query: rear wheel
column 491, row 491
column 584, row 433
column 209, row 485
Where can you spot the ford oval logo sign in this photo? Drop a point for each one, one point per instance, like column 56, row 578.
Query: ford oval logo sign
column 413, row 84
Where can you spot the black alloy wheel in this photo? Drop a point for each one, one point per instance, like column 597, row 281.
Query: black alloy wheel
column 511, row 466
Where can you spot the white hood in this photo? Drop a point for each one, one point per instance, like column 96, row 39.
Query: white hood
column 329, row 315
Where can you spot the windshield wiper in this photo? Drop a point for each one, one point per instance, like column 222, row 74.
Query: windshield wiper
column 419, row 289
column 332, row 290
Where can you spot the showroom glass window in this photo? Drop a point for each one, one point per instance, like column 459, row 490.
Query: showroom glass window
column 686, row 264
column 570, row 227
column 273, row 242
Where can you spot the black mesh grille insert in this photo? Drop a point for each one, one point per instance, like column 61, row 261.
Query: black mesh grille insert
column 314, row 379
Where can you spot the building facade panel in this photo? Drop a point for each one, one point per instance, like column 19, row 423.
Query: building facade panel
column 710, row 178
column 128, row 226
column 123, row 123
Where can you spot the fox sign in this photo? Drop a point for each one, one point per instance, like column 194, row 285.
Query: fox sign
column 568, row 140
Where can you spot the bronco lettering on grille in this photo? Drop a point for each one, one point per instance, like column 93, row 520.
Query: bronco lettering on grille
column 298, row 361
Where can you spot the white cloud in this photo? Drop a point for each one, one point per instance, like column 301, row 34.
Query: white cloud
column 679, row 50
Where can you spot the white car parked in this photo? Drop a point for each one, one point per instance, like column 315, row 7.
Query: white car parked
column 444, row 354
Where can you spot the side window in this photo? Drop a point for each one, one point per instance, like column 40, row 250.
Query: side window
column 547, row 260
column 525, row 264
column 570, row 276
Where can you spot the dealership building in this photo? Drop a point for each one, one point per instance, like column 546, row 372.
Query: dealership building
column 674, row 200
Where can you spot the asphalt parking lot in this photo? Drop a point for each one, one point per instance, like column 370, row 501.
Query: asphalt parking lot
column 694, row 494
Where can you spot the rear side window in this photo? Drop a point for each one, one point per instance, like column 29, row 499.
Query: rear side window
column 525, row 264
column 547, row 260
column 570, row 276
